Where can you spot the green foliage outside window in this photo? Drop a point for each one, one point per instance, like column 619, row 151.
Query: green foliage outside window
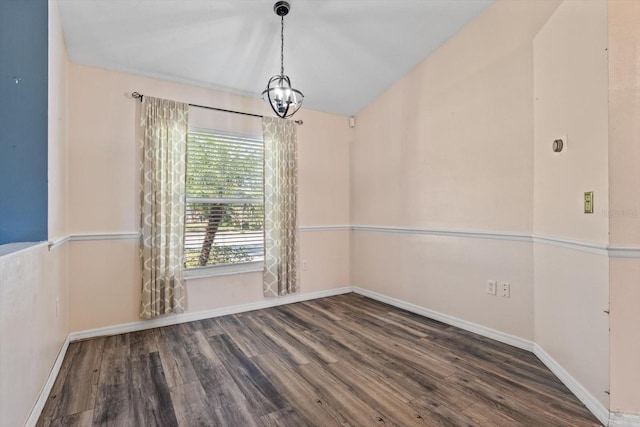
column 228, row 227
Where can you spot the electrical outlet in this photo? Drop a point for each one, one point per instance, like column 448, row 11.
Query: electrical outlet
column 305, row 265
column 505, row 290
column 492, row 286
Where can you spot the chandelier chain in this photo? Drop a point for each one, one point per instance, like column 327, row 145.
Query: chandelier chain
column 282, row 45
column 283, row 99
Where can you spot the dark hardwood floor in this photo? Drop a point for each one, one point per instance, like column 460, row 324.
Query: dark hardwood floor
column 344, row 360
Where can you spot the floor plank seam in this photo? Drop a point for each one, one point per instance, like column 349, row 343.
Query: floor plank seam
column 337, row 360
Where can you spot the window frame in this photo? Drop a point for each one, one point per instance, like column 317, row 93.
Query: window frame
column 221, row 269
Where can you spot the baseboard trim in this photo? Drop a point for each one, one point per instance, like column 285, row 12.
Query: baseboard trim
column 598, row 410
column 175, row 319
column 593, row 404
column 618, row 419
column 48, row 385
column 450, row 320
column 164, row 321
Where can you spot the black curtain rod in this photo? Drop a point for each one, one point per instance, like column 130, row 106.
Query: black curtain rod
column 138, row 95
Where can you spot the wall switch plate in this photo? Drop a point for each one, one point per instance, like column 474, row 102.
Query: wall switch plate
column 492, row 287
column 588, row 202
column 505, row 290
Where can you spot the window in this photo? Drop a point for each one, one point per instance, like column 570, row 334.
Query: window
column 224, row 222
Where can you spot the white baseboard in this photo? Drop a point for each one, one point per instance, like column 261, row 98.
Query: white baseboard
column 617, row 419
column 597, row 408
column 164, row 321
column 48, row 385
column 450, row 320
column 174, row 319
column 593, row 404
column 602, row 413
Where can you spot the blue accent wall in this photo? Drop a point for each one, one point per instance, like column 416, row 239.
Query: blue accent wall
column 23, row 120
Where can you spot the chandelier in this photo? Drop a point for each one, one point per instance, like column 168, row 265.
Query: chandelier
column 283, row 99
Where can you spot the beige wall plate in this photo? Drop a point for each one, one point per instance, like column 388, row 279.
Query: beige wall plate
column 588, row 202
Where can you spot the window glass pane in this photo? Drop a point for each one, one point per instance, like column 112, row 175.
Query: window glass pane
column 224, row 210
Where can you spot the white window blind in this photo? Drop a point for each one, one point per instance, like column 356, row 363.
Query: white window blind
column 224, row 221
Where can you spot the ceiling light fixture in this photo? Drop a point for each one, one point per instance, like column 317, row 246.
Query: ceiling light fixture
column 283, row 99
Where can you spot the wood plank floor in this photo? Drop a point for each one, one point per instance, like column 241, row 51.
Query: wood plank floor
column 339, row 361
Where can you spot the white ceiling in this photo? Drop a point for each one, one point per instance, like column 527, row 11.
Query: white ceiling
column 341, row 54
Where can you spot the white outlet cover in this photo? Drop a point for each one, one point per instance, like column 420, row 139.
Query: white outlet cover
column 505, row 290
column 492, row 287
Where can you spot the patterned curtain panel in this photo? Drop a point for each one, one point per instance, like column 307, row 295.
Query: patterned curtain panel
column 280, row 206
column 164, row 139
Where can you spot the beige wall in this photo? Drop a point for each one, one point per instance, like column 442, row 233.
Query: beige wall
column 624, row 221
column 31, row 331
column 57, row 127
column 103, row 190
column 571, row 296
column 624, row 275
column 105, row 276
column 448, row 275
column 624, row 125
column 56, row 279
column 570, row 90
column 327, row 254
column 462, row 142
column 33, row 282
column 449, row 146
column 571, row 285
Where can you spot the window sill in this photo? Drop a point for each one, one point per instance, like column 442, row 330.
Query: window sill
column 224, row 270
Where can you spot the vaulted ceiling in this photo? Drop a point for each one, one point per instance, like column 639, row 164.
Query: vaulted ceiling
column 342, row 54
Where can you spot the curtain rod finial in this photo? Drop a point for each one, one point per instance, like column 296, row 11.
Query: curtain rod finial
column 137, row 95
